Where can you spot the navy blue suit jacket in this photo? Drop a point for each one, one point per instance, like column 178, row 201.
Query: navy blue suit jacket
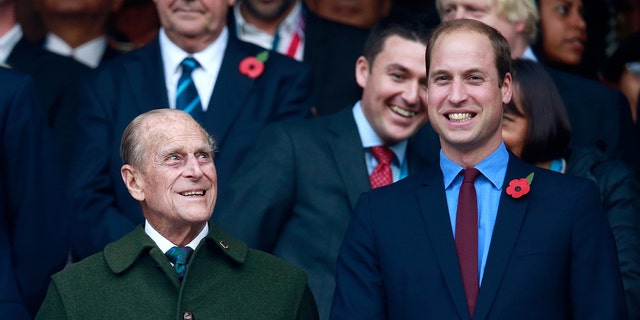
column 134, row 83
column 552, row 254
column 34, row 219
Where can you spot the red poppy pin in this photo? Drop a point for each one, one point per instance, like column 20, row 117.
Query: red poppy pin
column 253, row 67
column 519, row 187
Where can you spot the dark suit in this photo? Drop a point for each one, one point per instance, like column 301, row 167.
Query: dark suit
column 552, row 254
column 294, row 194
column 598, row 115
column 132, row 278
column 34, row 220
column 135, row 83
column 331, row 49
column 56, row 78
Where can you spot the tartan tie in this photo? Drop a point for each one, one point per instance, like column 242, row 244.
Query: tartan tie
column 467, row 236
column 187, row 98
column 179, row 256
column 381, row 175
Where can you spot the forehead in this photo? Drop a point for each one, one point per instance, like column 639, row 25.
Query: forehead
column 167, row 131
column 396, row 48
column 462, row 48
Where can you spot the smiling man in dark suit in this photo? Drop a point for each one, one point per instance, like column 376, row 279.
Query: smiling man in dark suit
column 233, row 97
column 294, row 194
column 503, row 247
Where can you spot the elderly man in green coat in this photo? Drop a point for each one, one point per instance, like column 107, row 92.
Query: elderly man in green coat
column 176, row 266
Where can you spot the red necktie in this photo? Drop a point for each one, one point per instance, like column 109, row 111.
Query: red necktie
column 381, row 175
column 467, row 236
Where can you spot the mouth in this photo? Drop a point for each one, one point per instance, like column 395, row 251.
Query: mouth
column 403, row 112
column 196, row 193
column 460, row 116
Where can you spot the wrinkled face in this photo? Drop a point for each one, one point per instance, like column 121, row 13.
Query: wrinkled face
column 394, row 89
column 193, row 19
column 464, row 96
column 515, row 128
column 483, row 11
column 267, row 9
column 87, row 7
column 359, row 13
column 563, row 30
column 178, row 182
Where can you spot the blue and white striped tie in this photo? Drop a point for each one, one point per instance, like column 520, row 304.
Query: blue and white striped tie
column 187, row 98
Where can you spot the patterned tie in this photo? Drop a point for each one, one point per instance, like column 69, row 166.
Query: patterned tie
column 381, row 175
column 179, row 256
column 467, row 236
column 187, row 98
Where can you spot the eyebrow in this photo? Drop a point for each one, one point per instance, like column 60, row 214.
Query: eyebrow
column 398, row 67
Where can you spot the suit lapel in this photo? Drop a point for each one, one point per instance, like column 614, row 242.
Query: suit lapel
column 230, row 92
column 150, row 92
column 434, row 211
column 347, row 151
column 511, row 213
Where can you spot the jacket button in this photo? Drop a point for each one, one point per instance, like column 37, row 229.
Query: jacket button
column 188, row 316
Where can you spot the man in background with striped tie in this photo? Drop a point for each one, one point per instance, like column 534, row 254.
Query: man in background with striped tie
column 231, row 87
column 176, row 265
column 294, row 193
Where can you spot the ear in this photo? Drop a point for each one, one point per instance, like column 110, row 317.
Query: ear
column 507, row 88
column 133, row 181
column 362, row 71
column 519, row 26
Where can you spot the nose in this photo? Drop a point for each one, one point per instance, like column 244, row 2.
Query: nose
column 578, row 21
column 192, row 168
column 457, row 93
column 411, row 94
column 459, row 14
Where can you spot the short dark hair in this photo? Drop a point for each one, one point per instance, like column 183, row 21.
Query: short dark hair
column 548, row 129
column 406, row 24
column 501, row 49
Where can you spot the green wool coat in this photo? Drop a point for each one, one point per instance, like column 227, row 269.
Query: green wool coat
column 132, row 279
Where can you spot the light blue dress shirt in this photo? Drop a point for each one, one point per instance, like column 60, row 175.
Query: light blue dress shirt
column 369, row 138
column 488, row 186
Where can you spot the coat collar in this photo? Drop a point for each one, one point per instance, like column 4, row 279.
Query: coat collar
column 122, row 254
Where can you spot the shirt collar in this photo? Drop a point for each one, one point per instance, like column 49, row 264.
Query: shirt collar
column 212, row 55
column 529, row 55
column 294, row 22
column 369, row 138
column 165, row 244
column 493, row 167
column 8, row 41
column 88, row 53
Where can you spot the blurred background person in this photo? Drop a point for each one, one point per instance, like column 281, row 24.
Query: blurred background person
column 34, row 224
column 536, row 129
column 135, row 24
column 330, row 48
column 359, row 13
column 622, row 71
column 78, row 28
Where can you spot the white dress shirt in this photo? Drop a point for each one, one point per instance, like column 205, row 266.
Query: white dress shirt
column 89, row 53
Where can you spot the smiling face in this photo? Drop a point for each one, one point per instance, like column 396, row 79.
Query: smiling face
column 465, row 96
column 394, row 84
column 177, row 183
column 563, row 31
column 193, row 24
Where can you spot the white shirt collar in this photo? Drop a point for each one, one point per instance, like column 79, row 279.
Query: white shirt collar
column 529, row 55
column 165, row 244
column 9, row 41
column 89, row 53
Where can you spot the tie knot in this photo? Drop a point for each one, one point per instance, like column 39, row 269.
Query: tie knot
column 383, row 154
column 470, row 174
column 188, row 64
column 179, row 255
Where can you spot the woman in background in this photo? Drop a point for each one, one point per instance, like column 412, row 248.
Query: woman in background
column 536, row 129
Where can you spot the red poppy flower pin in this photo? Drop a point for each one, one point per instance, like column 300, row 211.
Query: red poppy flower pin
column 253, row 67
column 519, row 187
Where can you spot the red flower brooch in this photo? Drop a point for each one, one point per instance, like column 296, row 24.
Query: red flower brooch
column 253, row 67
column 519, row 187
